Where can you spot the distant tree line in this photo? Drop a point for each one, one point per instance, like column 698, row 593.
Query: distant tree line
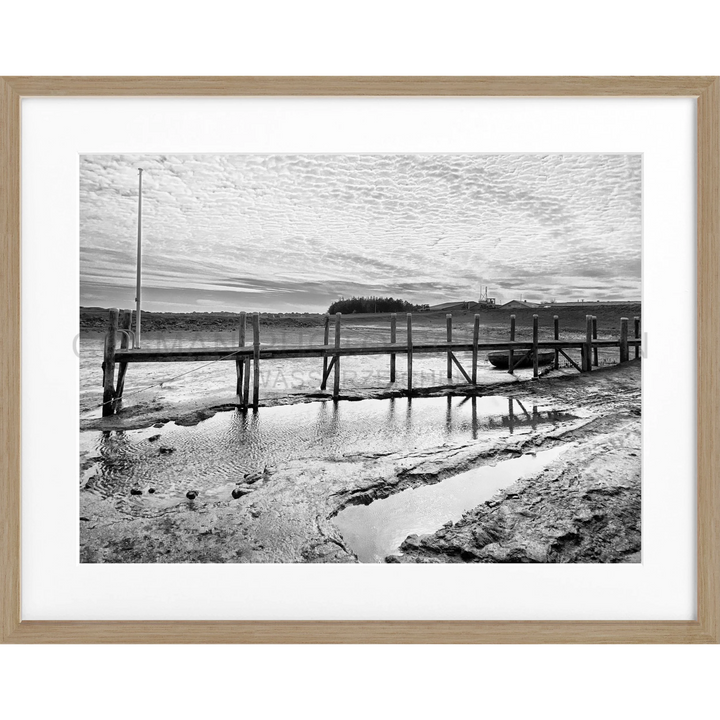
column 372, row 305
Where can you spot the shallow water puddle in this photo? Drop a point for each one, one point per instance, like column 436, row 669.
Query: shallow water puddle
column 376, row 530
column 221, row 449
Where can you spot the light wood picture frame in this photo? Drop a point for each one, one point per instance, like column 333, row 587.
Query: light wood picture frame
column 705, row 629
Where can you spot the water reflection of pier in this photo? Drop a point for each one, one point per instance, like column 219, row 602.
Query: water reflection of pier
column 517, row 416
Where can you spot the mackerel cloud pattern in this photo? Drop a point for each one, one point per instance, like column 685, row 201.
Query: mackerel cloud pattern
column 294, row 232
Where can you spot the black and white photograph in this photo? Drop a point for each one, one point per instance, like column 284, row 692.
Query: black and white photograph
column 360, row 358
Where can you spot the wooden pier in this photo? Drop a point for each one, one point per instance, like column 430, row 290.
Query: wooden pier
column 244, row 355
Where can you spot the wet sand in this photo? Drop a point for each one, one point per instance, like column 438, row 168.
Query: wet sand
column 583, row 507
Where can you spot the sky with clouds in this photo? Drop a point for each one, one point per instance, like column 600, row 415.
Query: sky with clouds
column 284, row 233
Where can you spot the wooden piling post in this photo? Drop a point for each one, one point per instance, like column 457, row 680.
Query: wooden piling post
column 594, row 337
column 511, row 352
column 476, row 337
column 240, row 361
column 108, row 365
column 326, row 342
column 246, row 383
column 536, row 334
column 556, row 335
column 448, row 322
column 624, row 352
column 336, row 378
column 587, row 349
column 637, row 336
column 124, row 324
column 393, row 339
column 409, row 355
column 256, row 360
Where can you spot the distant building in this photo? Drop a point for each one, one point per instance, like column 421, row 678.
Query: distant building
column 585, row 303
column 517, row 304
column 456, row 305
column 462, row 305
column 466, row 305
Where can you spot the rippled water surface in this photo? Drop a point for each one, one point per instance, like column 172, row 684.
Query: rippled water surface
column 376, row 530
column 221, row 449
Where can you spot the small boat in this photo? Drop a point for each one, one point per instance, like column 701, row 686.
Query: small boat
column 521, row 358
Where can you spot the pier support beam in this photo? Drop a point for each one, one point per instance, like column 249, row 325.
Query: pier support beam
column 594, row 337
column 511, row 360
column 536, row 337
column 556, row 335
column 325, row 377
column 624, row 349
column 476, row 337
column 460, row 367
column 448, row 322
column 637, row 336
column 409, row 355
column 240, row 362
column 326, row 342
column 108, row 365
column 246, row 384
column 256, row 360
column 571, row 361
column 125, row 324
column 393, row 339
column 336, row 361
column 587, row 346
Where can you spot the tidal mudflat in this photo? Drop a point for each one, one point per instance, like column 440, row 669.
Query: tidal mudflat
column 282, row 484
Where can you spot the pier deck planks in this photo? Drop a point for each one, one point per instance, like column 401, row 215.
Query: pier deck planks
column 303, row 351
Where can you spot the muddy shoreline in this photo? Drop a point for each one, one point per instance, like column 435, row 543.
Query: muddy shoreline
column 95, row 319
column 583, row 508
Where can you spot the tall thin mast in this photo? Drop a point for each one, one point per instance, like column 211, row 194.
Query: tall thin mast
column 138, row 296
